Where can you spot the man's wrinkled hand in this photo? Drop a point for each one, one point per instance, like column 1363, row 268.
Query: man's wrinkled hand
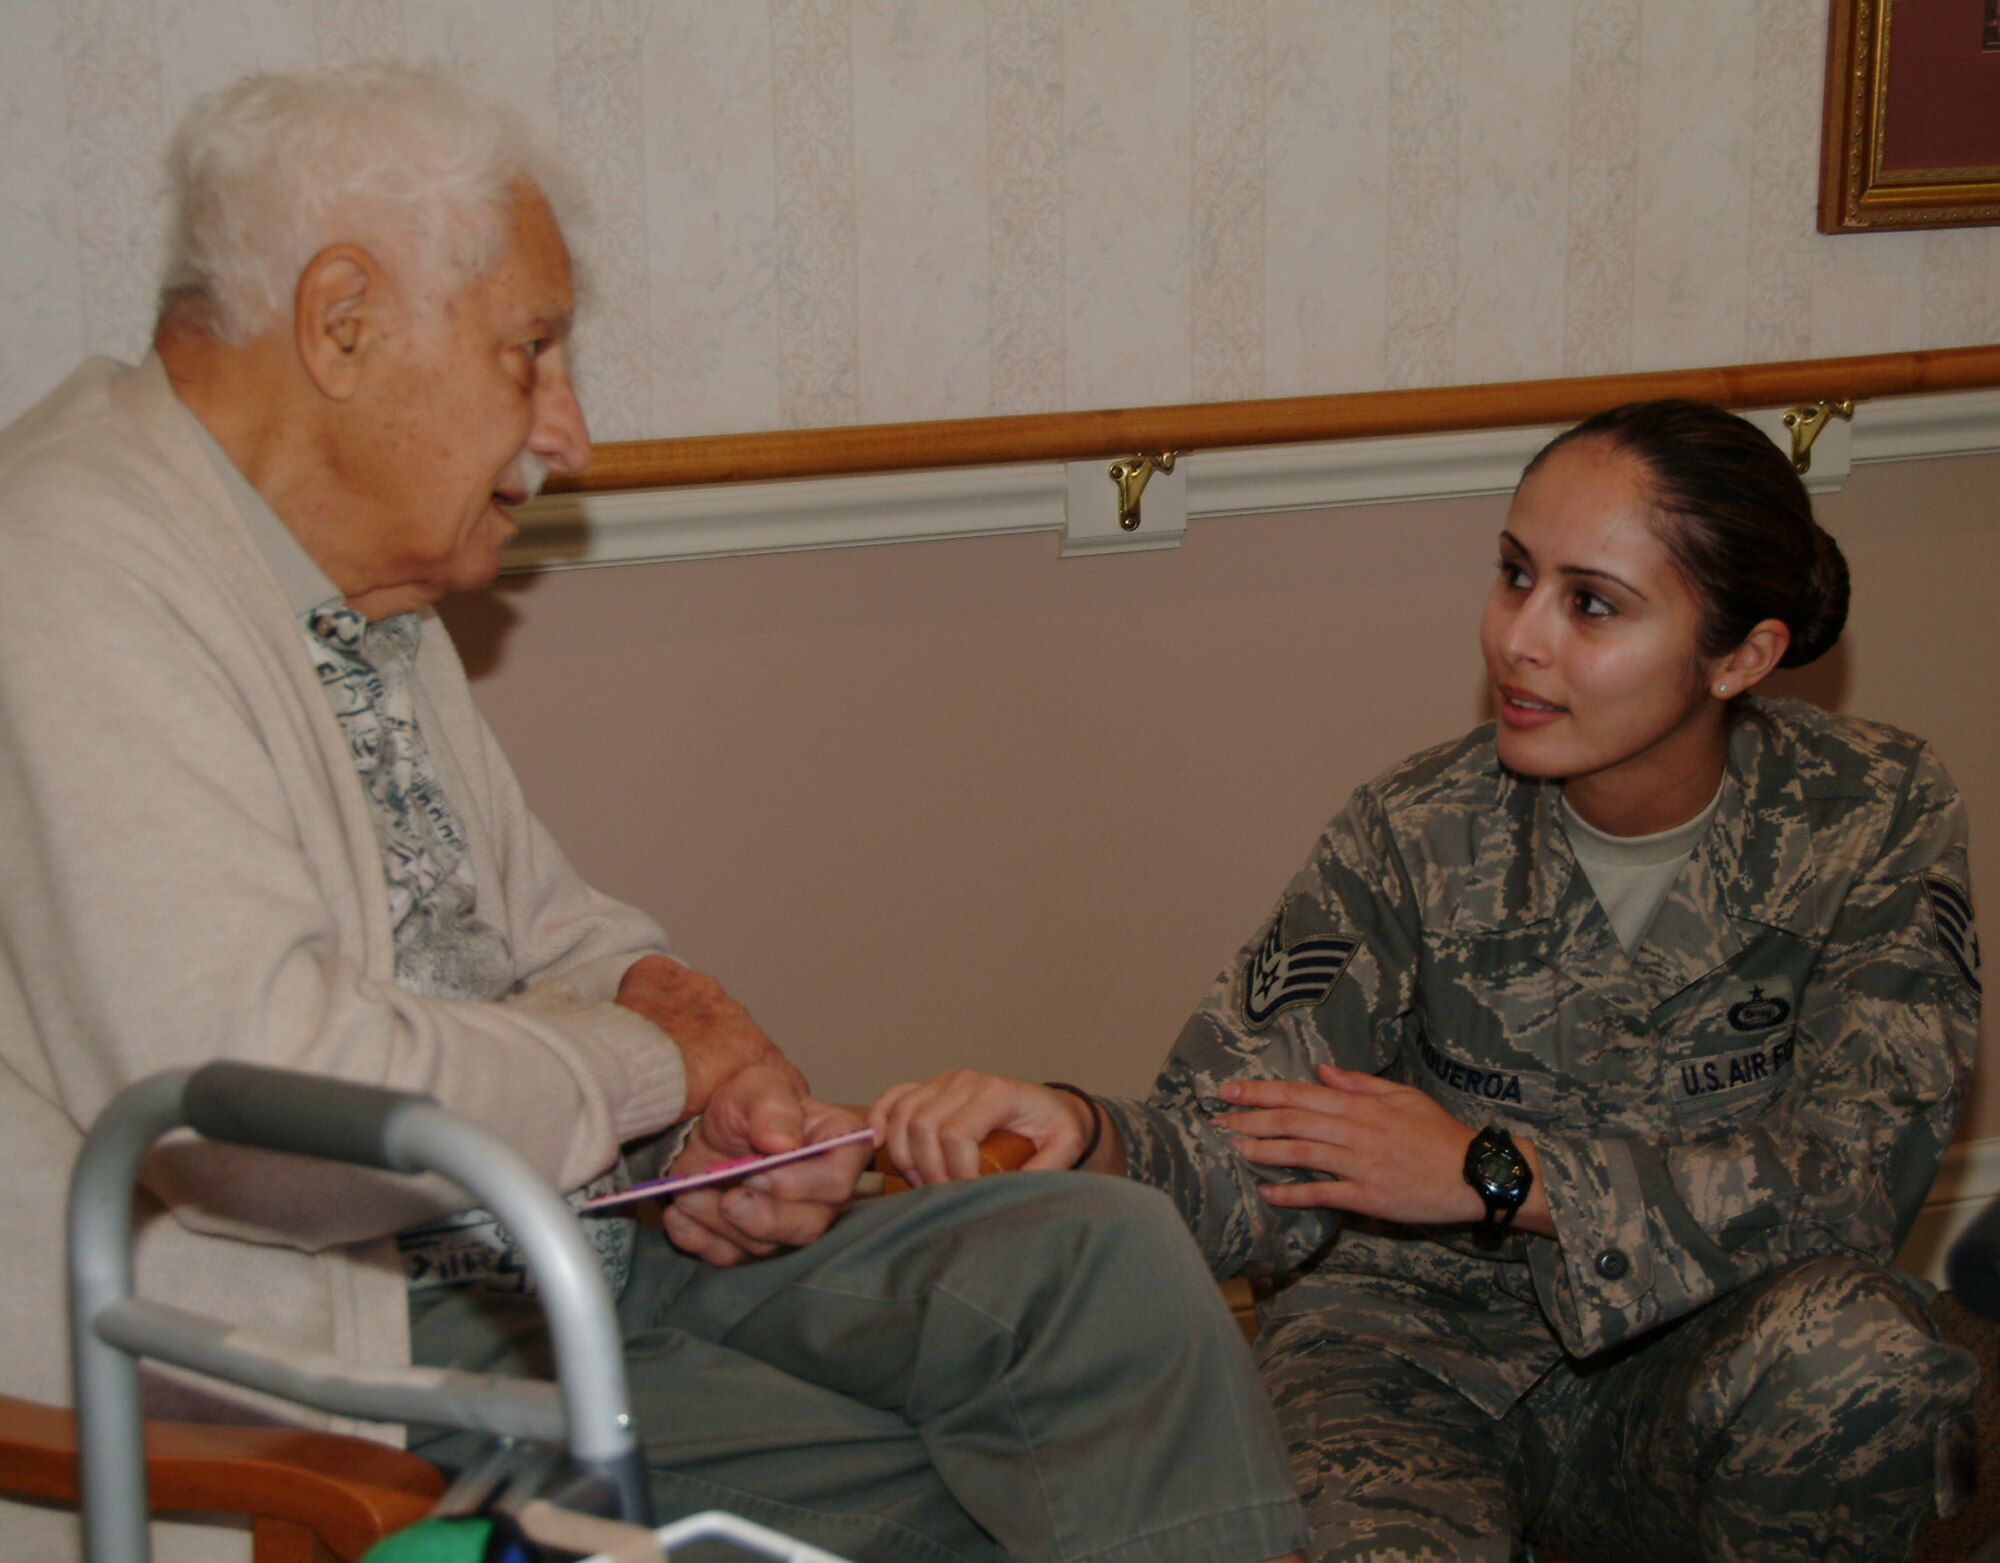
column 760, row 1111
column 715, row 1034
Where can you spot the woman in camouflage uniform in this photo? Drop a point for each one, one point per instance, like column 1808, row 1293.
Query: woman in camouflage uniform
column 1573, row 1103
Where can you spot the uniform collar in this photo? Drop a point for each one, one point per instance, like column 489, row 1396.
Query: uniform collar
column 1521, row 863
column 1761, row 849
column 1752, row 870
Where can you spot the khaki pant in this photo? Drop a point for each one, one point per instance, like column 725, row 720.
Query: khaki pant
column 1034, row 1367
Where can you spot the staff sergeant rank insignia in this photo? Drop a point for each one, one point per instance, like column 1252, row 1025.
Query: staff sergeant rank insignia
column 1951, row 912
column 1281, row 975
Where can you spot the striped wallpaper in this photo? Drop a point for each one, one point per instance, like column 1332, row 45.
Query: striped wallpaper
column 830, row 211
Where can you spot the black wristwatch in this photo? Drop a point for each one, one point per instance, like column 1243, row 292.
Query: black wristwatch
column 1499, row 1175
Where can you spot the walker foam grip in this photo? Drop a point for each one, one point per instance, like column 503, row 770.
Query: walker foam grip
column 285, row 1110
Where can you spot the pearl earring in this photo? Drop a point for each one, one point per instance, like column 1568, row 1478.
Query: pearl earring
column 1722, row 691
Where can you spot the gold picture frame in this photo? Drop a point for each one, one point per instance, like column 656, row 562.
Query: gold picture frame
column 1911, row 131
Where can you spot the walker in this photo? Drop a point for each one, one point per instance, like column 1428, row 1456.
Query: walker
column 585, row 1410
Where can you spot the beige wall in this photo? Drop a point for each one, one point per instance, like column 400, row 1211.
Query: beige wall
column 966, row 801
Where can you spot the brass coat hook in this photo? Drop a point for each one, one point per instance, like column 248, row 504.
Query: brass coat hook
column 1130, row 474
column 1805, row 424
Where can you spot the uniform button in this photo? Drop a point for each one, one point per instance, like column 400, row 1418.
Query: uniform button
column 1612, row 1265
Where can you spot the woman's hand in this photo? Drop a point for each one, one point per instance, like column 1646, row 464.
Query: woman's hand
column 1397, row 1154
column 932, row 1128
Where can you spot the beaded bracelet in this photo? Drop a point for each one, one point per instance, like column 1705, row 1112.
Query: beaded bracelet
column 1096, row 1119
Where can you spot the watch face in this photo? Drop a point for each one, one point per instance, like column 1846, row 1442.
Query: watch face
column 1496, row 1166
column 1500, row 1174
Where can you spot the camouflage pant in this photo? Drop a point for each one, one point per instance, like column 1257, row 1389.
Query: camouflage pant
column 1813, row 1414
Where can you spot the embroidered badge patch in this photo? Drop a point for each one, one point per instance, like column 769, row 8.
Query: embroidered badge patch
column 1759, row 1012
column 1281, row 975
column 1951, row 914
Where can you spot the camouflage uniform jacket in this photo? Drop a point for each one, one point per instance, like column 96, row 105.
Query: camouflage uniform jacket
column 1773, row 1073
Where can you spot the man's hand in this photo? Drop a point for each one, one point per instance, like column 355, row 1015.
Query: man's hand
column 932, row 1128
column 758, row 1111
column 714, row 1033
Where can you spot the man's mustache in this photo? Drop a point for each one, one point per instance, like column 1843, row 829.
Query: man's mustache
column 528, row 473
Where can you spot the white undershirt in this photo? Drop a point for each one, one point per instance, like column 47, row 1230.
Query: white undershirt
column 1632, row 874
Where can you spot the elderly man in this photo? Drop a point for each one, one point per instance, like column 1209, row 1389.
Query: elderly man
column 248, row 810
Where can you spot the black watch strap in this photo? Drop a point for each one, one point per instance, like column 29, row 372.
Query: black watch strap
column 1499, row 1175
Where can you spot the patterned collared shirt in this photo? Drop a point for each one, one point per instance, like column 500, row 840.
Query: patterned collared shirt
column 444, row 948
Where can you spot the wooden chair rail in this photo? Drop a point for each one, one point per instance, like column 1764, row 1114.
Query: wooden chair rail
column 1076, row 436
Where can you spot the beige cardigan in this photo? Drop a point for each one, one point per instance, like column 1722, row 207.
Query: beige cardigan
column 189, row 871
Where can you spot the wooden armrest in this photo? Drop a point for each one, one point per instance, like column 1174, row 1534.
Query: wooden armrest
column 349, row 1492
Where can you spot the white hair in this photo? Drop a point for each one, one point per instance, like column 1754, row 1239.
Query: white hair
column 267, row 172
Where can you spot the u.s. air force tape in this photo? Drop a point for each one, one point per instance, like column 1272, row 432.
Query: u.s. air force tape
column 1282, row 975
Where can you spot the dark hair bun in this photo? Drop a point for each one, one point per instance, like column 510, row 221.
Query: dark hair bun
column 1736, row 520
column 1821, row 613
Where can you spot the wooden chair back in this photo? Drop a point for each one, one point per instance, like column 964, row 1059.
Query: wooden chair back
column 308, row 1496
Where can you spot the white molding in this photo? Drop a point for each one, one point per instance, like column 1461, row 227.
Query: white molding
column 1359, row 472
column 571, row 531
column 1967, row 1181
column 1912, row 428
column 578, row 530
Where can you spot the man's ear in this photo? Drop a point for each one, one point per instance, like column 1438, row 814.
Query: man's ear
column 337, row 317
column 1751, row 662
